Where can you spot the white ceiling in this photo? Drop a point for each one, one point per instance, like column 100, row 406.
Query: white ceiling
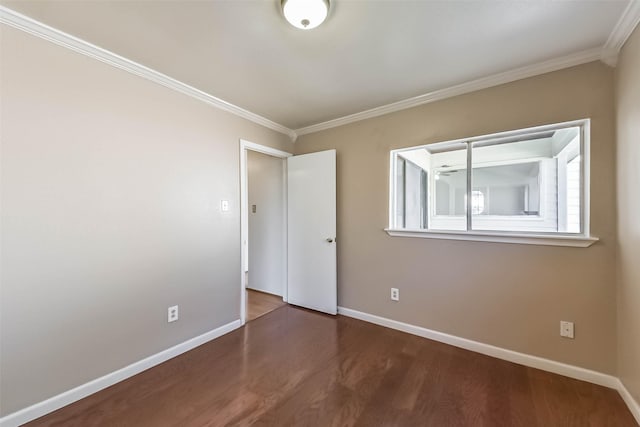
column 367, row 54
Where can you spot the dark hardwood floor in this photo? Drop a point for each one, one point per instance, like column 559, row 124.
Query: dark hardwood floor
column 261, row 303
column 293, row 367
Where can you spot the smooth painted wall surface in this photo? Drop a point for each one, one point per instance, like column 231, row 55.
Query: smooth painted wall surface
column 509, row 295
column 628, row 131
column 266, row 225
column 111, row 190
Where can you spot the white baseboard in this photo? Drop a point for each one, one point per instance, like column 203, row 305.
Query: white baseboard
column 633, row 405
column 490, row 350
column 39, row 409
column 501, row 353
column 56, row 402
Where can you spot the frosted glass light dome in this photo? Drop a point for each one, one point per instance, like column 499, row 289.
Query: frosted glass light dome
column 305, row 14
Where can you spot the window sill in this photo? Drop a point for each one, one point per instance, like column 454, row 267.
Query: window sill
column 575, row 241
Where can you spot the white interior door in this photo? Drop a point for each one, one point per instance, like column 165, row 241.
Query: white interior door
column 312, row 275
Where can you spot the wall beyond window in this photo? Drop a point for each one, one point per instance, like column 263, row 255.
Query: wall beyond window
column 524, row 181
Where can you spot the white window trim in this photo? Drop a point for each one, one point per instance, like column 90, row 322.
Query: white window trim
column 582, row 240
column 572, row 240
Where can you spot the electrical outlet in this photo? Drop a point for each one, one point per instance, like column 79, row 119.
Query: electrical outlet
column 172, row 313
column 224, row 205
column 566, row 329
column 395, row 294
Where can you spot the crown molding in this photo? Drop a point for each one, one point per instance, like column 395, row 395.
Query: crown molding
column 460, row 89
column 623, row 30
column 607, row 54
column 38, row 29
column 610, row 57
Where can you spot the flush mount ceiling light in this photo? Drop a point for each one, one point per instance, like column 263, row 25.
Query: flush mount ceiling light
column 305, row 14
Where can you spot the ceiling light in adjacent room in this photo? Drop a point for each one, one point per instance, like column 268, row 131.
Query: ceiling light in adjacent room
column 305, row 14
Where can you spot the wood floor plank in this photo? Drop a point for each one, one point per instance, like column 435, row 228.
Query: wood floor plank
column 295, row 367
column 261, row 303
column 521, row 409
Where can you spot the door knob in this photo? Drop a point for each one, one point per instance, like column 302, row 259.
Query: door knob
column 329, row 239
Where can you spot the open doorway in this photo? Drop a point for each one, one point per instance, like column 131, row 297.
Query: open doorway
column 264, row 227
column 307, row 225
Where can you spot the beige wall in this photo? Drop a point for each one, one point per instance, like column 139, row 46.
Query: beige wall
column 110, row 197
column 628, row 167
column 508, row 295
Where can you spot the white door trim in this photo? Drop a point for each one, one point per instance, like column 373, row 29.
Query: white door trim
column 244, row 216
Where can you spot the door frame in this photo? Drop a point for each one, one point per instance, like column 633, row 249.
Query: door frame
column 244, row 216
